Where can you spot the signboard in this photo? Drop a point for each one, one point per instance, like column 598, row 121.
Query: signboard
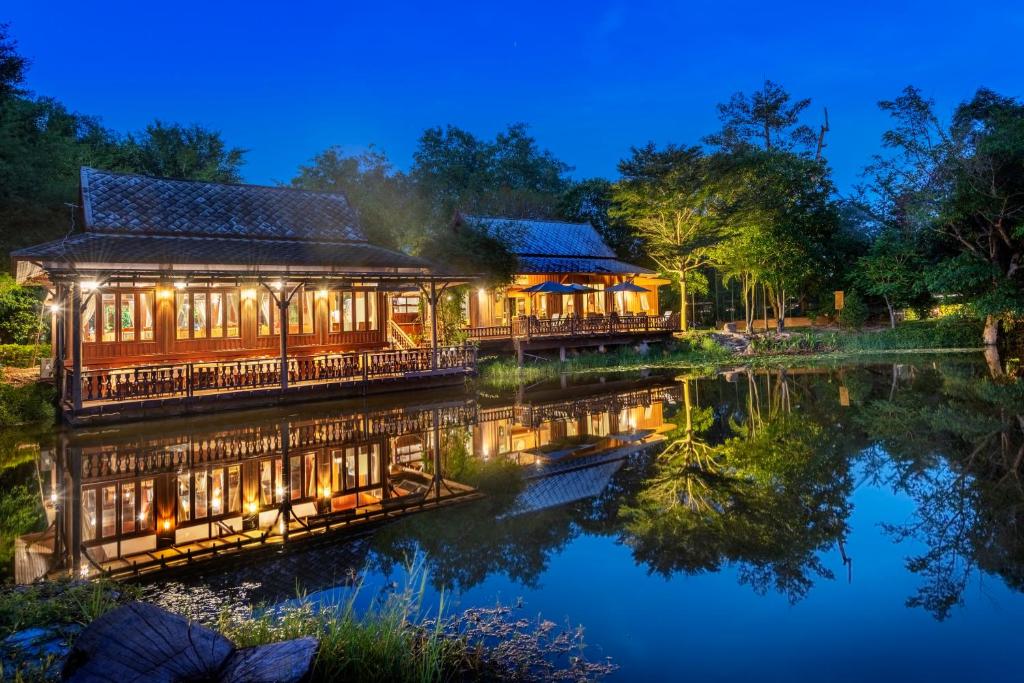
column 839, row 300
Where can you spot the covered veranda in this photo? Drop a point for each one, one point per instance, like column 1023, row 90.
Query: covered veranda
column 175, row 336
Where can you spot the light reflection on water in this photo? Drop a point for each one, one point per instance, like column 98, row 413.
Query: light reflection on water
column 782, row 525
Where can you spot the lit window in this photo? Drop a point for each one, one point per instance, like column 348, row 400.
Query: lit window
column 183, row 315
column 308, row 311
column 127, row 317
column 199, row 315
column 264, row 313
column 109, row 317
column 146, row 301
column 89, row 321
column 216, row 314
column 232, row 311
column 201, row 489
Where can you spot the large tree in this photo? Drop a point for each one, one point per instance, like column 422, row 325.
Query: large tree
column 784, row 219
column 171, row 150
column 391, row 210
column 766, row 119
column 509, row 176
column 961, row 183
column 670, row 198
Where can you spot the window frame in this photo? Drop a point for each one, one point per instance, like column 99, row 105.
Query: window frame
column 94, row 303
column 297, row 303
column 225, row 293
column 337, row 296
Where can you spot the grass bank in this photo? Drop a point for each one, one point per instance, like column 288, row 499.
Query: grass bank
column 393, row 640
column 942, row 333
column 699, row 351
column 692, row 351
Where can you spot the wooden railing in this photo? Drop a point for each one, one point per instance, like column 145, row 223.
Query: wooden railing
column 188, row 379
column 531, row 327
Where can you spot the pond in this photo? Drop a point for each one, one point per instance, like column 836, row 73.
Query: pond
column 800, row 524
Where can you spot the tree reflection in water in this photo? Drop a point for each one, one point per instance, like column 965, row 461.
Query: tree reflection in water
column 758, row 475
column 954, row 443
column 767, row 499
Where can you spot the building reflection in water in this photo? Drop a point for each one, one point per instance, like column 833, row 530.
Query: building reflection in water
column 146, row 497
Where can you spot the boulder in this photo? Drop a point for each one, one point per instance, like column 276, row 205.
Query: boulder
column 141, row 642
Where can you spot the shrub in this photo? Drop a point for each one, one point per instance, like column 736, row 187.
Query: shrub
column 22, row 355
column 30, row 403
column 20, row 321
column 855, row 311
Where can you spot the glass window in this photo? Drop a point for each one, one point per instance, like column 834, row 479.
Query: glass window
column 145, row 505
column 128, row 508
column 234, row 489
column 371, row 310
column 88, row 514
column 334, row 312
column 264, row 313
column 89, row 320
column 109, row 317
column 216, row 314
column 217, row 491
column 232, row 309
column 360, row 310
column 406, row 305
column 109, row 494
column 308, row 311
column 183, row 316
column 184, row 497
column 346, row 311
column 127, row 316
column 146, row 301
column 293, row 317
column 199, row 315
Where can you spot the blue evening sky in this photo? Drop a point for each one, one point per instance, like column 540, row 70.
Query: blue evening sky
column 286, row 80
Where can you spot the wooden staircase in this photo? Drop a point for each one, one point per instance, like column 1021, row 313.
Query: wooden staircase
column 397, row 337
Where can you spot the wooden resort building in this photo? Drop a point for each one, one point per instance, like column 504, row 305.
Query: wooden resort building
column 178, row 296
column 571, row 291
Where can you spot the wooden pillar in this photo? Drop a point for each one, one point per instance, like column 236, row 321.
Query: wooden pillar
column 282, row 307
column 76, row 347
column 433, row 325
column 59, row 352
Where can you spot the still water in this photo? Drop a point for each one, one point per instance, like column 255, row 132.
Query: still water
column 802, row 524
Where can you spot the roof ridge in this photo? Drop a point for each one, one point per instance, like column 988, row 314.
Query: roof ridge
column 529, row 220
column 243, row 238
column 192, row 181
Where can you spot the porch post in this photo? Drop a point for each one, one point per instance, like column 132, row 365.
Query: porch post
column 58, row 339
column 282, row 307
column 433, row 324
column 76, row 347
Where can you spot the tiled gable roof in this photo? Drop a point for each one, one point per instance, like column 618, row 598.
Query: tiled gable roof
column 546, row 238
column 143, row 205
